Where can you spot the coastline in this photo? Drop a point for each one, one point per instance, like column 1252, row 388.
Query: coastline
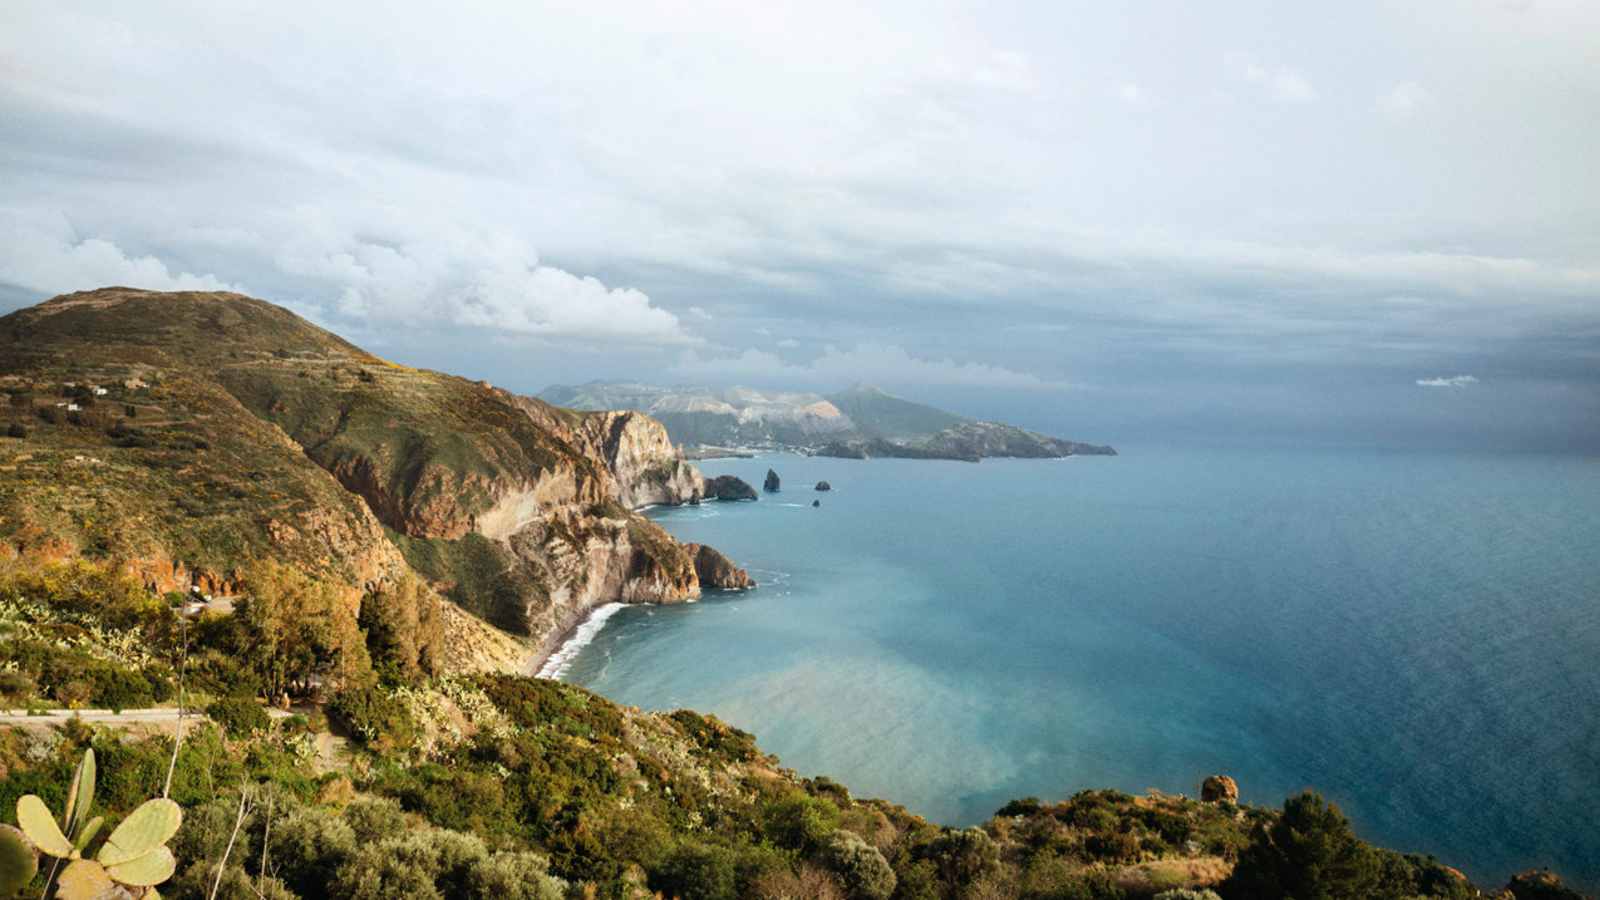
column 554, row 663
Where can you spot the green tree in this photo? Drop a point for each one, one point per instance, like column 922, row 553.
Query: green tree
column 298, row 629
column 405, row 627
column 1308, row 853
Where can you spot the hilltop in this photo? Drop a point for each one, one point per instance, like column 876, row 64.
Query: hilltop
column 186, row 435
column 858, row 423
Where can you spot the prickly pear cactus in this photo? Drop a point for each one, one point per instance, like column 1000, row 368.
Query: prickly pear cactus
column 18, row 861
column 145, row 829
column 41, row 828
column 130, row 863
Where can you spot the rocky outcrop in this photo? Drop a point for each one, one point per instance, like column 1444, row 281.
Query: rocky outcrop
column 647, row 469
column 729, row 487
column 718, row 571
column 773, row 483
column 1219, row 789
column 824, row 486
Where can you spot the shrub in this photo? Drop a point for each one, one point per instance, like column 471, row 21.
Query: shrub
column 697, row 871
column 308, row 846
column 514, row 876
column 864, row 871
column 1309, row 853
column 375, row 818
column 800, row 822
column 239, row 716
column 16, row 430
column 962, row 856
column 373, row 716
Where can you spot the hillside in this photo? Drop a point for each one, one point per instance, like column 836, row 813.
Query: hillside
column 186, row 435
column 859, row 423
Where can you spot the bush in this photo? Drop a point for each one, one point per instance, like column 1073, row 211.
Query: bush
column 800, row 822
column 699, row 872
column 514, row 876
column 16, row 430
column 308, row 847
column 375, row 818
column 864, row 871
column 239, row 716
column 373, row 716
column 1309, row 853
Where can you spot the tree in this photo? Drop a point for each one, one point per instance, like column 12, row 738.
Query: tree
column 298, row 629
column 1309, row 853
column 405, row 627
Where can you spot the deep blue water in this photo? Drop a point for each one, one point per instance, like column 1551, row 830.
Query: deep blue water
column 1417, row 635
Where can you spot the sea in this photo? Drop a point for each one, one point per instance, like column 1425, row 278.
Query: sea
column 1414, row 634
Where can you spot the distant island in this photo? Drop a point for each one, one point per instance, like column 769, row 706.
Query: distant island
column 860, row 423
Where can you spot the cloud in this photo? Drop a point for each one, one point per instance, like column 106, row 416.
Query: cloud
column 459, row 277
column 42, row 253
column 700, row 313
column 788, row 343
column 1280, row 83
column 1450, row 381
column 1128, row 92
column 1402, row 100
column 865, row 362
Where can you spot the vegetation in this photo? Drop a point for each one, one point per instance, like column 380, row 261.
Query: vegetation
column 397, row 776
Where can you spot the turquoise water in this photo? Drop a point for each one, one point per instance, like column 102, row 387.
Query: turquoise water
column 1416, row 635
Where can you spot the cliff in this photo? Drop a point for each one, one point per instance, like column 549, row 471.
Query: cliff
column 185, row 435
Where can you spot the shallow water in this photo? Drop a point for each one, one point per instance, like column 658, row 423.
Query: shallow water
column 1416, row 635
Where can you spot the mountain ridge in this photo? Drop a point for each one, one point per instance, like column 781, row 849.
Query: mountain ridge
column 860, row 422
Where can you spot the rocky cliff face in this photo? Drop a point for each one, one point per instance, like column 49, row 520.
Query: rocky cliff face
column 255, row 434
column 647, row 469
column 718, row 571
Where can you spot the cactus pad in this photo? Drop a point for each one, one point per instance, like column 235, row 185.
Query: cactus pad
column 41, row 828
column 146, row 828
column 86, row 880
column 152, row 868
column 18, row 862
column 90, row 829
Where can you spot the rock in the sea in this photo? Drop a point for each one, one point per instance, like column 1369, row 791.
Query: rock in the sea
column 729, row 487
column 771, row 484
column 816, row 503
column 717, row 571
column 1219, row 789
column 824, row 486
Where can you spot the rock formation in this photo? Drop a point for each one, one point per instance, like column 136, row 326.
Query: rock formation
column 1219, row 789
column 718, row 571
column 824, row 486
column 772, row 484
column 729, row 487
column 261, row 436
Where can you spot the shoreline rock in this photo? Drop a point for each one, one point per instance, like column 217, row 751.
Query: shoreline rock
column 717, row 570
column 773, row 483
column 729, row 487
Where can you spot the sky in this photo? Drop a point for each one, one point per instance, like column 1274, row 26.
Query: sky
column 1373, row 223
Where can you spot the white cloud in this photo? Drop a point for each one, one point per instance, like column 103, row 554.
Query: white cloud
column 1403, row 100
column 42, row 253
column 451, row 276
column 1448, row 381
column 1280, row 83
column 700, row 313
column 788, row 343
column 865, row 362
column 1128, row 92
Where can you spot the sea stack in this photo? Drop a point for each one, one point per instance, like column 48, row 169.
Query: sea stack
column 824, row 486
column 772, row 483
column 729, row 487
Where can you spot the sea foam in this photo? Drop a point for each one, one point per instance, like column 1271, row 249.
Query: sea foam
column 561, row 660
